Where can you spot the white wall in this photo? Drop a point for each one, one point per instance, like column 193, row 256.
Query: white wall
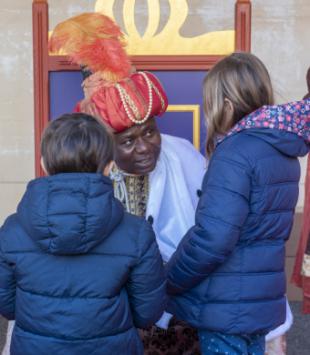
column 280, row 37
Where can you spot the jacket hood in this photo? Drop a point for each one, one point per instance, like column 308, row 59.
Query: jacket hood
column 286, row 127
column 69, row 213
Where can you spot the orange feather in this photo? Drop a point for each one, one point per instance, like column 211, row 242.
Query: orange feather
column 93, row 40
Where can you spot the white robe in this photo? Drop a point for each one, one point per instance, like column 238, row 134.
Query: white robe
column 173, row 197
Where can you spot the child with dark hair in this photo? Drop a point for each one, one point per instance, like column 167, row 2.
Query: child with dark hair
column 77, row 273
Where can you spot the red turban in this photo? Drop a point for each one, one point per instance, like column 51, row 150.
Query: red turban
column 121, row 105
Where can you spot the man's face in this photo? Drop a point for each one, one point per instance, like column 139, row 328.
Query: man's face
column 138, row 148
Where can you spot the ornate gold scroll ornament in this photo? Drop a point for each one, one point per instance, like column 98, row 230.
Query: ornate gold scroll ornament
column 168, row 41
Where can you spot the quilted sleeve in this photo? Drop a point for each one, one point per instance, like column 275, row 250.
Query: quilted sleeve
column 7, row 286
column 221, row 213
column 147, row 284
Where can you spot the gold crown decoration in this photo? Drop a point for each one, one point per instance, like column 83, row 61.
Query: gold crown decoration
column 168, row 41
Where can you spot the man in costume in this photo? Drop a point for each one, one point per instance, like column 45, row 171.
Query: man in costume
column 156, row 176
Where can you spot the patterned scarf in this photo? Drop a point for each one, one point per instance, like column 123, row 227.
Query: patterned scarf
column 291, row 117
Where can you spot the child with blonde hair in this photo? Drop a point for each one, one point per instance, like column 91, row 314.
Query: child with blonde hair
column 227, row 277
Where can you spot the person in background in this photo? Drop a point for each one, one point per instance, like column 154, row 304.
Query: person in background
column 77, row 273
column 301, row 273
column 156, row 176
column 227, row 276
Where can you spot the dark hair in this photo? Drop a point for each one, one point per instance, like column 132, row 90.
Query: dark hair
column 76, row 142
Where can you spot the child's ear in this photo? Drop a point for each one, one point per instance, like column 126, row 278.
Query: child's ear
column 43, row 166
column 229, row 114
column 108, row 168
column 229, row 107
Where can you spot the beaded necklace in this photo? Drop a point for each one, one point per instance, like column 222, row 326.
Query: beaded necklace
column 129, row 105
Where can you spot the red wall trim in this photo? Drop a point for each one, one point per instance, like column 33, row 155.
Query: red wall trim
column 148, row 62
column 40, row 73
column 243, row 11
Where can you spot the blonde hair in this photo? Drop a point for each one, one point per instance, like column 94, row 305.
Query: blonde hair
column 244, row 80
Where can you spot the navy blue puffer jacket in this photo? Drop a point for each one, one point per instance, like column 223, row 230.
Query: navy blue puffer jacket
column 76, row 272
column 228, row 274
